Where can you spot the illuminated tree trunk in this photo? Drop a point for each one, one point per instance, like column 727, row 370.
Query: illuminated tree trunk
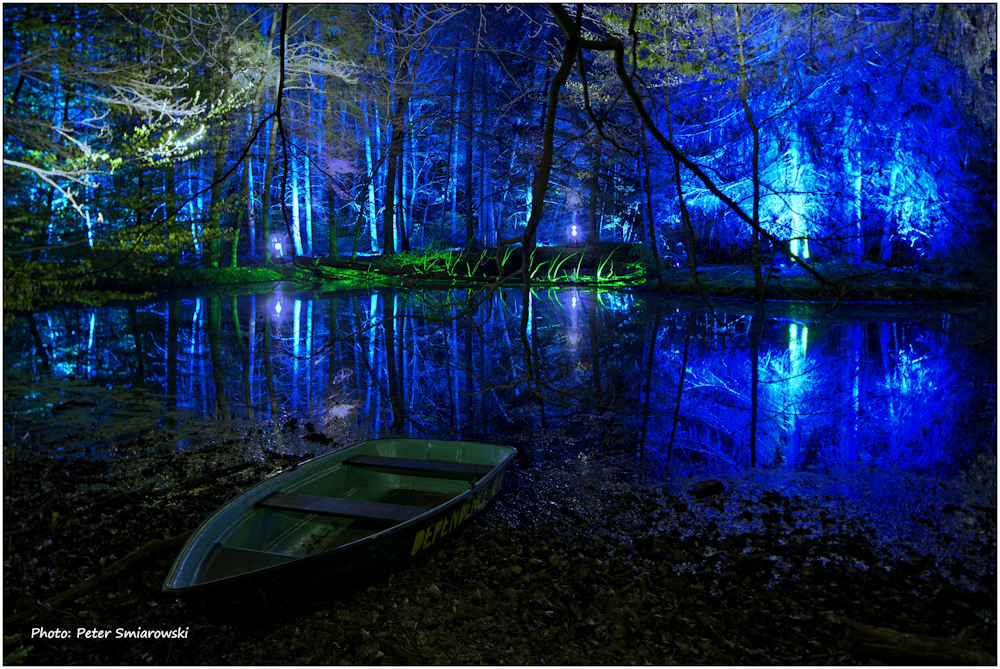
column 397, row 125
column 296, row 222
column 265, row 226
column 389, row 207
column 264, row 231
column 593, row 183
column 853, row 174
column 401, row 210
column 36, row 337
column 251, row 217
column 213, row 249
column 173, row 343
column 246, row 196
column 685, row 216
column 194, row 208
column 647, row 188
column 170, row 209
column 331, row 198
column 307, row 203
column 755, row 162
column 794, row 169
column 470, row 224
column 889, row 217
column 485, row 207
column 451, row 178
column 370, row 164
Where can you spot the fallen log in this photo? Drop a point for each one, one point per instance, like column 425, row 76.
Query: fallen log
column 892, row 647
column 111, row 571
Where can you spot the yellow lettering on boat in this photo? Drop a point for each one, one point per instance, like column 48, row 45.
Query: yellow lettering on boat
column 417, row 543
column 439, row 529
column 426, row 537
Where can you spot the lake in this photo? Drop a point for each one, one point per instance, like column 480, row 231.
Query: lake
column 783, row 386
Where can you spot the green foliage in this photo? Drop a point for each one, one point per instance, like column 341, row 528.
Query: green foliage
column 426, row 263
column 232, row 275
column 18, row 654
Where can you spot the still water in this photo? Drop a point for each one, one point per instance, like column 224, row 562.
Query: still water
column 783, row 386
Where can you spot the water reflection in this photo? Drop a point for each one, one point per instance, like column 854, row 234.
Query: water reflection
column 789, row 387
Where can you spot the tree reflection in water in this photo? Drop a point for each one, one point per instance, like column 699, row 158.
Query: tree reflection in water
column 861, row 389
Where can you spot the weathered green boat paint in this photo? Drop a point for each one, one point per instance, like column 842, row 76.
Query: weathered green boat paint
column 336, row 521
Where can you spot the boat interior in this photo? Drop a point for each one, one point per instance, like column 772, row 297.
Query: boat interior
column 361, row 496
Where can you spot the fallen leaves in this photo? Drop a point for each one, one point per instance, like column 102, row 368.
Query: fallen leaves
column 572, row 565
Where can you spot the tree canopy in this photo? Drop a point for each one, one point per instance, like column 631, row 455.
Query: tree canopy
column 139, row 137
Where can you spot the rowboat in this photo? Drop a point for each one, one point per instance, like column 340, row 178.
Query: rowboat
column 336, row 521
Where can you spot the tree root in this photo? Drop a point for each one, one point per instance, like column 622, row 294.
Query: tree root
column 888, row 645
column 111, row 571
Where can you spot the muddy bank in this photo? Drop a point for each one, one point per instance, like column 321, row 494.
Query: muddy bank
column 582, row 560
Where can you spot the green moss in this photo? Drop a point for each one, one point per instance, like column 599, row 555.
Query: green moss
column 220, row 275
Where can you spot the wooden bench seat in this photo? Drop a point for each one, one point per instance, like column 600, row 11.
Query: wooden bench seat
column 432, row 467
column 339, row 506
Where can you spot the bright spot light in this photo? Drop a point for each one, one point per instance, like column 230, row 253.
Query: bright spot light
column 277, row 306
column 573, row 230
column 277, row 248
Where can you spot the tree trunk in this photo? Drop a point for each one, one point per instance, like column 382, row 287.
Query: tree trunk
column 370, row 165
column 307, row 203
column 296, row 215
column 758, row 277
column 470, row 224
column 451, row 178
column 170, row 211
column 213, row 250
column 265, row 224
column 248, row 171
column 389, row 206
column 331, row 197
column 593, row 230
column 654, row 243
column 397, row 122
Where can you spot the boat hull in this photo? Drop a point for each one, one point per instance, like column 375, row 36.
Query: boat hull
column 229, row 560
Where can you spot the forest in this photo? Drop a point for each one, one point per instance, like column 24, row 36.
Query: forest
column 722, row 276
column 834, row 139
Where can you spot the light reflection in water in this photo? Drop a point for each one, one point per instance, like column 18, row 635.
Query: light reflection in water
column 871, row 390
